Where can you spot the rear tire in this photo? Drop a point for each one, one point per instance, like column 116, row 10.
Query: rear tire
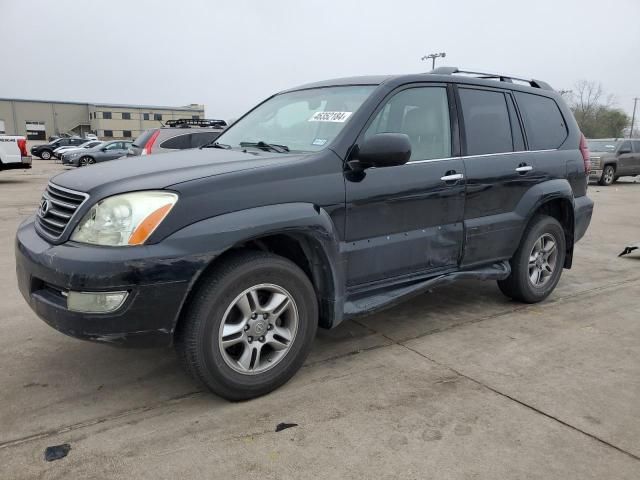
column 249, row 325
column 537, row 264
column 45, row 155
column 608, row 174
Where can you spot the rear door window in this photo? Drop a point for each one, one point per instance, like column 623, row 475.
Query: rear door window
column 543, row 123
column 636, row 146
column 486, row 121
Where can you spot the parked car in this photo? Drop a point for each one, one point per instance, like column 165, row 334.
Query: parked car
column 181, row 134
column 324, row 202
column 100, row 153
column 13, row 152
column 612, row 158
column 45, row 151
column 58, row 152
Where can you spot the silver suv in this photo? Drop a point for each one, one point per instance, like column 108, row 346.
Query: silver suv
column 181, row 134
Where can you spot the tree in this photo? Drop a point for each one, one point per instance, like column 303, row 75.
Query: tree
column 595, row 112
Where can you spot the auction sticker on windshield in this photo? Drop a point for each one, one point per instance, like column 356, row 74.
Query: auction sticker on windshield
column 339, row 117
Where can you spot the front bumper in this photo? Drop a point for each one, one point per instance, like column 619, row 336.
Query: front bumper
column 583, row 210
column 157, row 281
column 595, row 174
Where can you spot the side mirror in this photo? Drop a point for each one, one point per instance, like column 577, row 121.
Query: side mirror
column 622, row 151
column 382, row 150
column 104, row 149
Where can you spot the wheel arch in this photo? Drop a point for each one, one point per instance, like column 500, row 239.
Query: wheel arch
column 553, row 198
column 306, row 237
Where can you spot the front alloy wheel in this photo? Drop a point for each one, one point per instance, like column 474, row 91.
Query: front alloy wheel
column 249, row 325
column 258, row 329
column 608, row 175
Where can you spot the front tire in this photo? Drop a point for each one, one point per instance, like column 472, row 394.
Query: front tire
column 249, row 326
column 608, row 176
column 537, row 264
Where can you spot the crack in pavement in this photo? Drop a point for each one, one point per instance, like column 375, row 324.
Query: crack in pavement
column 524, row 404
column 194, row 394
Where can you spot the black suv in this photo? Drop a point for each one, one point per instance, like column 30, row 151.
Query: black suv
column 324, row 202
column 45, row 151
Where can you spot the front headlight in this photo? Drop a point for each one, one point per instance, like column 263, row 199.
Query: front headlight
column 127, row 219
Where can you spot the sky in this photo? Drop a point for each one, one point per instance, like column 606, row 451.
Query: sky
column 230, row 55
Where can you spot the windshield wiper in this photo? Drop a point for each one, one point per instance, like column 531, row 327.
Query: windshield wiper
column 214, row 144
column 273, row 147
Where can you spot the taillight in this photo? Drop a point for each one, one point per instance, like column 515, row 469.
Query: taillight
column 22, row 145
column 584, row 150
column 149, row 145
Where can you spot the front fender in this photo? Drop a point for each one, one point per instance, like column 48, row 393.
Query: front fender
column 309, row 224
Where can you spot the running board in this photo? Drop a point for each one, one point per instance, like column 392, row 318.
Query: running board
column 381, row 298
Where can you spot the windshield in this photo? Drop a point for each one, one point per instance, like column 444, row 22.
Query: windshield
column 302, row 121
column 602, row 145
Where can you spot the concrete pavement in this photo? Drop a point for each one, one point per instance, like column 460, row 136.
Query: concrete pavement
column 460, row 383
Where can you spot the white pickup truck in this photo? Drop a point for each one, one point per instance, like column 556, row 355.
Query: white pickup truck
column 13, row 152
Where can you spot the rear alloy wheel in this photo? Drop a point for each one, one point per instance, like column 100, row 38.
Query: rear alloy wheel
column 45, row 155
column 249, row 326
column 608, row 174
column 537, row 264
column 84, row 161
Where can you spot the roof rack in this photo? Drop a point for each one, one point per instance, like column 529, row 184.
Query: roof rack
column 195, row 122
column 492, row 76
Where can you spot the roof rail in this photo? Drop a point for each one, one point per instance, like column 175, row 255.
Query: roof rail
column 195, row 122
column 491, row 76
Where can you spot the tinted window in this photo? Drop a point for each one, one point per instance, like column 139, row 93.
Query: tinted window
column 543, row 123
column 114, row 146
column 145, row 116
column 423, row 115
column 202, row 138
column 126, row 133
column 180, row 142
column 486, row 122
column 636, row 146
column 626, row 145
column 106, row 115
column 157, row 116
column 108, row 133
column 126, row 116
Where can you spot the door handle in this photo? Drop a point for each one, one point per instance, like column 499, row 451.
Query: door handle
column 452, row 177
column 524, row 168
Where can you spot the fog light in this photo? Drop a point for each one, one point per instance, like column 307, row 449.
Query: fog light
column 95, row 302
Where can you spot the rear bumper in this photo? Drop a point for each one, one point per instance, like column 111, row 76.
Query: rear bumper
column 583, row 210
column 157, row 287
column 24, row 163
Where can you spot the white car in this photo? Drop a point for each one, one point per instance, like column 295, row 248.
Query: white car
column 67, row 148
column 13, row 152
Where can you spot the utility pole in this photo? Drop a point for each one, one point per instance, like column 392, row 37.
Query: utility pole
column 433, row 57
column 633, row 117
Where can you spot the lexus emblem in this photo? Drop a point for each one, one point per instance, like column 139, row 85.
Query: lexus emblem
column 45, row 205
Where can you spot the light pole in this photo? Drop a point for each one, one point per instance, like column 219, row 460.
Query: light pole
column 433, row 57
column 633, row 116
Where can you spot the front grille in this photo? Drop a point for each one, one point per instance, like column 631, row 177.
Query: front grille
column 595, row 162
column 56, row 209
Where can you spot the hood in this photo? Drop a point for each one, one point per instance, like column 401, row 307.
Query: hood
column 163, row 170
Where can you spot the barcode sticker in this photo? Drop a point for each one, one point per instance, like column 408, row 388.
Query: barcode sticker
column 338, row 117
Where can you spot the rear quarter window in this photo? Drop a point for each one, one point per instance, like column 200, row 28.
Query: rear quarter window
column 544, row 125
column 179, row 142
